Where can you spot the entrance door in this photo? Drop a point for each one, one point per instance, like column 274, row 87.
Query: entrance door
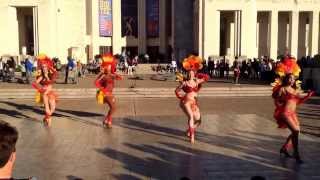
column 27, row 27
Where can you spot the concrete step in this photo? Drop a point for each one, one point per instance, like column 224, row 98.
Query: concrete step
column 140, row 92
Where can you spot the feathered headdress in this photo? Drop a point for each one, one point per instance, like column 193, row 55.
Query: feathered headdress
column 192, row 63
column 43, row 59
column 287, row 66
column 109, row 60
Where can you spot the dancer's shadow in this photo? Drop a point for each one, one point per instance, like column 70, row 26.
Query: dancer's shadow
column 79, row 116
column 236, row 140
column 70, row 177
column 173, row 161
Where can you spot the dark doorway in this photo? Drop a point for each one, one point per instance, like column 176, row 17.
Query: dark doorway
column 26, row 30
column 153, row 52
column 131, row 51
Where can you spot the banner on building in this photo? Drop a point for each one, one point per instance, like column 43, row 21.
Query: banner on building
column 129, row 18
column 105, row 18
column 153, row 18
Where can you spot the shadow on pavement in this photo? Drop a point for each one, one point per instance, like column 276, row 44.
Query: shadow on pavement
column 70, row 114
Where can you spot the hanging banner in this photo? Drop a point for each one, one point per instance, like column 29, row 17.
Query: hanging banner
column 129, row 18
column 153, row 18
column 105, row 18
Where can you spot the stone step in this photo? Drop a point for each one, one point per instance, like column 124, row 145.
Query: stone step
column 140, row 92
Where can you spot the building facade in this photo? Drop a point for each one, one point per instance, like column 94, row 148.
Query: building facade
column 254, row 28
column 85, row 28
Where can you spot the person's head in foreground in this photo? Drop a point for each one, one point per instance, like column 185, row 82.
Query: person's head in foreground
column 8, row 139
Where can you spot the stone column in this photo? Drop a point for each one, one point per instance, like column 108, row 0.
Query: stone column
column 13, row 31
column 116, row 27
column 274, row 34
column 314, row 20
column 95, row 27
column 257, row 37
column 236, row 21
column 35, row 30
column 307, row 38
column 163, row 27
column 249, row 28
column 211, row 32
column 142, row 29
column 231, row 51
column 200, row 28
column 294, row 27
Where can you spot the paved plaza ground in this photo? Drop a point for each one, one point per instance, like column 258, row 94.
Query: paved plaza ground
column 237, row 140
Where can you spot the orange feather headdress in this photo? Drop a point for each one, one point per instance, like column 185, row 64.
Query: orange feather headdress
column 287, row 66
column 109, row 60
column 192, row 63
column 43, row 59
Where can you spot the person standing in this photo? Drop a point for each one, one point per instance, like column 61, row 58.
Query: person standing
column 191, row 86
column 44, row 85
column 236, row 72
column 105, row 84
column 29, row 68
column 287, row 96
column 8, row 140
column 1, row 69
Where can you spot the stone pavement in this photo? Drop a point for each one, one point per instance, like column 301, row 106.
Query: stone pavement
column 238, row 139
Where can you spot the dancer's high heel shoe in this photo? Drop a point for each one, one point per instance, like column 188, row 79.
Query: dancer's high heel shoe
column 46, row 120
column 285, row 153
column 107, row 123
column 192, row 132
column 188, row 133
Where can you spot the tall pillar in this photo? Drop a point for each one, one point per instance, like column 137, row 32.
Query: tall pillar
column 95, row 27
column 307, row 37
column 287, row 36
column 13, row 31
column 274, row 34
column 201, row 28
column 257, row 37
column 232, row 50
column 35, row 30
column 315, row 33
column 116, row 27
column 294, row 27
column 163, row 27
column 142, row 29
column 236, row 21
column 249, row 28
column 211, row 29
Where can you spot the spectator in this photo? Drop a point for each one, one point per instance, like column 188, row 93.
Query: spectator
column 227, row 68
column 174, row 65
column 211, row 67
column 147, row 58
column 236, row 72
column 11, row 65
column 256, row 69
column 29, row 68
column 130, row 66
column 70, row 66
column 221, row 68
column 1, row 69
column 8, row 140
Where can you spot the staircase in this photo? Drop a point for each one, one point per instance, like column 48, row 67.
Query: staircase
column 81, row 93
